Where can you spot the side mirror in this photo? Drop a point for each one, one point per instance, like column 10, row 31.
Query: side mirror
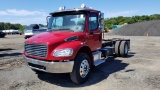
column 101, row 21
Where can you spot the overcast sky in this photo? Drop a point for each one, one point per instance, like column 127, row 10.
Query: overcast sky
column 35, row 11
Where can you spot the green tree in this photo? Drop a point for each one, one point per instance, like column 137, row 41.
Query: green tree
column 109, row 22
column 2, row 26
column 23, row 27
column 7, row 26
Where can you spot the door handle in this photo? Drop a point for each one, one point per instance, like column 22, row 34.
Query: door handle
column 91, row 33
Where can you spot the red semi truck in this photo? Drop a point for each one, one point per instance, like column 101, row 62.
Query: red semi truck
column 73, row 44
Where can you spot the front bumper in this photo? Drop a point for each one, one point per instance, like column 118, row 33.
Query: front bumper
column 51, row 67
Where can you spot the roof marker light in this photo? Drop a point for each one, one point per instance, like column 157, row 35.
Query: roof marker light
column 62, row 8
column 83, row 6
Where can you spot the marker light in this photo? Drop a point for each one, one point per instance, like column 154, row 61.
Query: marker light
column 83, row 6
column 90, row 8
column 62, row 8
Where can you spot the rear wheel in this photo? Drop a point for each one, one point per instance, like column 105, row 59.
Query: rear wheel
column 124, row 49
column 81, row 68
column 117, row 45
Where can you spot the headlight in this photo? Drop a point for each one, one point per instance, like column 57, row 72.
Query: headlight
column 63, row 52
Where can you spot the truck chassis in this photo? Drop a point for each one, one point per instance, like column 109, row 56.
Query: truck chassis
column 74, row 46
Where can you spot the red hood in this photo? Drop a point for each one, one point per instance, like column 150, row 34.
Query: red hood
column 53, row 37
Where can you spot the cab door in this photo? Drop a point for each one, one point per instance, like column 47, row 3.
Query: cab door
column 94, row 33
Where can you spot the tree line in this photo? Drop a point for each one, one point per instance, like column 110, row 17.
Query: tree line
column 109, row 22
column 8, row 26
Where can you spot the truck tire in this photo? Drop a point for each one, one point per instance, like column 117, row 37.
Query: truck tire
column 25, row 37
column 81, row 68
column 124, row 49
column 117, row 46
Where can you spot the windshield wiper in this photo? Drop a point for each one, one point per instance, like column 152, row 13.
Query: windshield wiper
column 65, row 29
column 61, row 29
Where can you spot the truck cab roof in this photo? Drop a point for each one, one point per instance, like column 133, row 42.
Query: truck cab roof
column 75, row 9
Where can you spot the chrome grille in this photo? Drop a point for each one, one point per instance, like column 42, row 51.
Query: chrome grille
column 39, row 50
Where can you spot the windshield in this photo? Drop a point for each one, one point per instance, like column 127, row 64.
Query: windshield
column 73, row 21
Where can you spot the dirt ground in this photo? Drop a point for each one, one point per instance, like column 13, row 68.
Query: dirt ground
column 139, row 71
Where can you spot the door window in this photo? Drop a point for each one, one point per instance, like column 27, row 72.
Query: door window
column 93, row 21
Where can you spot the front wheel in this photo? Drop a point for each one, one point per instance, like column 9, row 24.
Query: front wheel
column 81, row 68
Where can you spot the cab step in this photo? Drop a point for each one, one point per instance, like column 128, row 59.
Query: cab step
column 98, row 58
column 98, row 62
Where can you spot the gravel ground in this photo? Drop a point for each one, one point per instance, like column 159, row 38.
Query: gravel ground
column 146, row 28
column 139, row 71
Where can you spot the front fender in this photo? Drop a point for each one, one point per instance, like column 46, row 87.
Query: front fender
column 75, row 45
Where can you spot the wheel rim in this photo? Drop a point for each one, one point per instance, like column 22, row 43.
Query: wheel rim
column 84, row 68
column 126, row 49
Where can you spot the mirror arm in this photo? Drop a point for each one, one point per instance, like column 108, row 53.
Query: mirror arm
column 47, row 18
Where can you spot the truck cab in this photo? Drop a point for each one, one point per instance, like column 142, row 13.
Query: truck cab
column 72, row 44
